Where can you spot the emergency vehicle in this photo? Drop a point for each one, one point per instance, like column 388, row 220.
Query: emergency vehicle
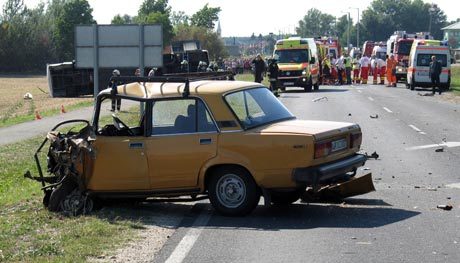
column 419, row 63
column 399, row 44
column 333, row 46
column 368, row 46
column 298, row 63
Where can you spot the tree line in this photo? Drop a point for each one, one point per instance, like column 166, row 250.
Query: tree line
column 377, row 22
column 32, row 37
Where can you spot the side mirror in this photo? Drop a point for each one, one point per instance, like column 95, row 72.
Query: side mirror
column 312, row 61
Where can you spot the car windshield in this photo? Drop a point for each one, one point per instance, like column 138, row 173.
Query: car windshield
column 404, row 47
column 257, row 107
column 292, row 55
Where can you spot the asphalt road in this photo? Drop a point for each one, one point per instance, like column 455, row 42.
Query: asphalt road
column 400, row 222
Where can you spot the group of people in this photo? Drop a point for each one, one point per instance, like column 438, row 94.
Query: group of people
column 339, row 71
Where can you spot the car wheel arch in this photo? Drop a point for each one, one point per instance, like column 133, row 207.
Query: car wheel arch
column 214, row 168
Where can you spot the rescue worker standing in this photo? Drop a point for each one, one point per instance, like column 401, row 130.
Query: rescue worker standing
column 391, row 71
column 365, row 63
column 435, row 72
column 355, row 64
column 273, row 71
column 375, row 69
column 340, row 68
column 259, row 68
column 347, row 62
column 326, row 70
column 116, row 103
column 382, row 69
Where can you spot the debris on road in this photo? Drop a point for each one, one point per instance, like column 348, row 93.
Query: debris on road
column 445, row 207
column 374, row 116
column 28, row 96
column 349, row 114
column 439, row 150
column 320, row 98
column 425, row 94
column 365, row 169
column 374, row 155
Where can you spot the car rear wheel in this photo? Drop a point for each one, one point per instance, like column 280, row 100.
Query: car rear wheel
column 233, row 192
column 285, row 198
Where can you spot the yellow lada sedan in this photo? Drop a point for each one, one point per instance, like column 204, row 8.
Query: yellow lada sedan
column 229, row 141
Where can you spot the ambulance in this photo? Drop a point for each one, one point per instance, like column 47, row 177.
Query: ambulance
column 298, row 63
column 419, row 63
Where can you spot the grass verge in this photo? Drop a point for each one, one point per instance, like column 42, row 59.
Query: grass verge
column 29, row 233
column 455, row 82
column 30, row 116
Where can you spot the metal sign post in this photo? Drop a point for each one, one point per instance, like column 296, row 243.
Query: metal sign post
column 118, row 46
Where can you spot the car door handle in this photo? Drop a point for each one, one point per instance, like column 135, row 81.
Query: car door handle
column 136, row 145
column 205, row 141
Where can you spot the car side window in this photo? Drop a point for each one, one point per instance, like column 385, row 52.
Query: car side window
column 181, row 116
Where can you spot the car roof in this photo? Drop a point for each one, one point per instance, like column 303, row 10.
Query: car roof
column 155, row 90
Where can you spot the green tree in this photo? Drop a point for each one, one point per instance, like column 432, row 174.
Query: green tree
column 74, row 12
column 121, row 20
column 209, row 39
column 154, row 6
column 179, row 18
column 383, row 17
column 315, row 23
column 156, row 12
column 205, row 17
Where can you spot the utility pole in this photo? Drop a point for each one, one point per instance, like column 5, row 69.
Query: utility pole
column 357, row 27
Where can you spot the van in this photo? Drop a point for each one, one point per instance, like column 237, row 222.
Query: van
column 419, row 63
column 298, row 63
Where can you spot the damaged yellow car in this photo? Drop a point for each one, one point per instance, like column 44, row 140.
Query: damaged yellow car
column 229, row 141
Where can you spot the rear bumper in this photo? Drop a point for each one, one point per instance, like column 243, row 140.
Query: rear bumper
column 330, row 172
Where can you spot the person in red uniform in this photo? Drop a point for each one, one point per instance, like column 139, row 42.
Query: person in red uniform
column 391, row 71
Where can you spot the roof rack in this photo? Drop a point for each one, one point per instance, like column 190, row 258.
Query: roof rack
column 185, row 78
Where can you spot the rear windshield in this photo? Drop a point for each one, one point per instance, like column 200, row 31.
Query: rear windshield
column 257, row 107
column 423, row 60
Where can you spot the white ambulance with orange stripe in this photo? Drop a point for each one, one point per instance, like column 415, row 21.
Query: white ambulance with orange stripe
column 298, row 63
column 418, row 73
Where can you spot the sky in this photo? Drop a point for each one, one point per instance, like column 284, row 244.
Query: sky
column 244, row 17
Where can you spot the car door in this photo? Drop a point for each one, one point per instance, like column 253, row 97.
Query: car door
column 120, row 162
column 184, row 137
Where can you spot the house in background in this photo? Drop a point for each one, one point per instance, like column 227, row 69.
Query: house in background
column 452, row 35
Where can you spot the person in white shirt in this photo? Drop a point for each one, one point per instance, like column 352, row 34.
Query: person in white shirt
column 365, row 63
column 340, row 68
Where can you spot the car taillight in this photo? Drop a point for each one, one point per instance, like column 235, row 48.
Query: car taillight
column 355, row 139
column 322, row 149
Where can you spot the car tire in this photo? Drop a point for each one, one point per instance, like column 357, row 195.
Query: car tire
column 59, row 194
column 233, row 192
column 285, row 198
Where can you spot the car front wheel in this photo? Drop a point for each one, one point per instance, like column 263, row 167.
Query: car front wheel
column 233, row 192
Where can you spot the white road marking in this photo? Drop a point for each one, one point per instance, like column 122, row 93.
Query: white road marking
column 456, row 185
column 370, row 98
column 388, row 110
column 187, row 242
column 415, row 128
column 443, row 144
column 360, row 91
